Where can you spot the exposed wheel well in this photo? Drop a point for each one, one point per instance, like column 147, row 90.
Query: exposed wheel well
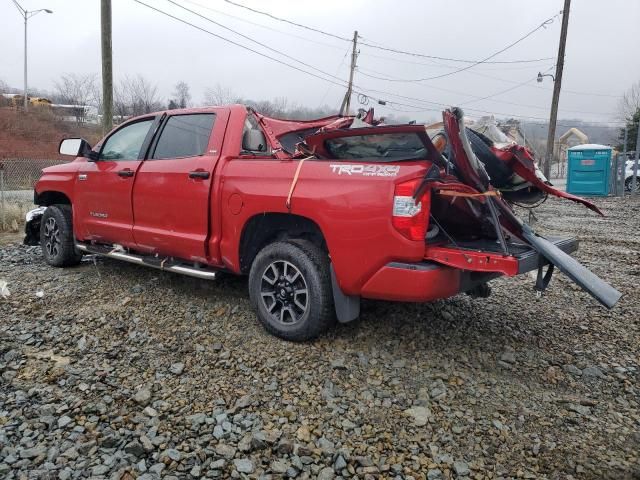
column 51, row 198
column 263, row 229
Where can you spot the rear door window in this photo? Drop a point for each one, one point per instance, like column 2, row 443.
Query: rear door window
column 184, row 136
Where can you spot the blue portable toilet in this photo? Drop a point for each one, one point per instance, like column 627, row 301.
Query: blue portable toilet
column 588, row 169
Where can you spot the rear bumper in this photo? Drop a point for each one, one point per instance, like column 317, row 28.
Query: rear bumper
column 529, row 260
column 413, row 282
column 430, row 280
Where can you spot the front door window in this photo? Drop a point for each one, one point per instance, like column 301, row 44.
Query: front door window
column 125, row 144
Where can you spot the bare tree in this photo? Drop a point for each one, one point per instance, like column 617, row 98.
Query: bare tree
column 181, row 95
column 134, row 96
column 219, row 95
column 78, row 91
column 4, row 88
column 630, row 102
column 278, row 107
column 120, row 104
column 96, row 95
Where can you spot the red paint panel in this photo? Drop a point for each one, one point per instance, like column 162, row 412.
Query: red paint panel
column 102, row 202
column 353, row 211
column 404, row 285
column 171, row 208
column 473, row 261
column 523, row 165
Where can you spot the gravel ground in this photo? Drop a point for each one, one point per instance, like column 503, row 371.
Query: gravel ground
column 110, row 370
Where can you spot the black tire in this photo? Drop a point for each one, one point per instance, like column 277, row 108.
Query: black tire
column 307, row 268
column 628, row 184
column 56, row 237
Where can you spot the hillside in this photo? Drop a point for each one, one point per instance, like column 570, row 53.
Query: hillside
column 37, row 133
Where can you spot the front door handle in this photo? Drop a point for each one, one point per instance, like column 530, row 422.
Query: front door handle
column 126, row 173
column 199, row 174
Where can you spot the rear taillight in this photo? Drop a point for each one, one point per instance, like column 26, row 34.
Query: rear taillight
column 410, row 217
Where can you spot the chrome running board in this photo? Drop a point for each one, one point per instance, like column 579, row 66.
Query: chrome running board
column 166, row 264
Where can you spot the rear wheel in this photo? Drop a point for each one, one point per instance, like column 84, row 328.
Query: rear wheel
column 290, row 288
column 56, row 237
column 628, row 184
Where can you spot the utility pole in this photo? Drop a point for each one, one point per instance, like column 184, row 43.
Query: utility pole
column 556, row 90
column 107, row 67
column 346, row 102
column 26, row 101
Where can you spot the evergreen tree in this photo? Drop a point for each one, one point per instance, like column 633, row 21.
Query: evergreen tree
column 632, row 123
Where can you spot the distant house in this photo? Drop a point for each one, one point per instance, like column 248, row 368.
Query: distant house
column 568, row 139
column 16, row 100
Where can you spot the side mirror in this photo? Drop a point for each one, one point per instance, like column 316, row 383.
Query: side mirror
column 77, row 147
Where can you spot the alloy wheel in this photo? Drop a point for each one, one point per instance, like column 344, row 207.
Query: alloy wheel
column 52, row 237
column 284, row 293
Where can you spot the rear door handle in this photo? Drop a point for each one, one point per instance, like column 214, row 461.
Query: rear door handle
column 199, row 174
column 126, row 173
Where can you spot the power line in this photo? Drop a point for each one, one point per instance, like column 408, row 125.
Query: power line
column 380, row 47
column 244, row 47
column 501, row 92
column 448, row 59
column 543, row 25
column 341, row 83
column 444, row 105
column 512, row 44
column 589, row 94
column 474, row 72
column 289, row 21
column 491, row 97
column 434, row 63
column 301, row 62
column 266, row 27
column 246, row 37
column 324, row 97
column 389, row 78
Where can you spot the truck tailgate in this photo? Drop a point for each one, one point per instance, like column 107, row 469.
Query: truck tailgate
column 486, row 256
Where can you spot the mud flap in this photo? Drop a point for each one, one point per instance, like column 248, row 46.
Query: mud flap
column 347, row 306
column 583, row 277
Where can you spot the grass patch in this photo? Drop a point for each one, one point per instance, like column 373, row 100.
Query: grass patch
column 12, row 215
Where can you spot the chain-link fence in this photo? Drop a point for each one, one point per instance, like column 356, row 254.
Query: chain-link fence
column 17, row 178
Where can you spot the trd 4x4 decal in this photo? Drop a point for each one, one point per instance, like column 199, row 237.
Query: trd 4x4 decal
column 366, row 170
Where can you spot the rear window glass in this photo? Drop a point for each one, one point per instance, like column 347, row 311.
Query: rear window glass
column 386, row 147
column 184, row 136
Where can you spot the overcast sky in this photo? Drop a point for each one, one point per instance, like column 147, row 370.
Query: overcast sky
column 601, row 58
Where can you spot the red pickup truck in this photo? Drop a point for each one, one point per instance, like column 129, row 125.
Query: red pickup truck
column 318, row 214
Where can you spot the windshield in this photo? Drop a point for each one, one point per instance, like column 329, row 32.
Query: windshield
column 385, row 147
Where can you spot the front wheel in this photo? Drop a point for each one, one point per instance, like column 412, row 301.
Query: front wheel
column 628, row 184
column 56, row 237
column 290, row 288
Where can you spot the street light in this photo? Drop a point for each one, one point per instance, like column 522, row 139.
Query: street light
column 26, row 14
column 541, row 75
